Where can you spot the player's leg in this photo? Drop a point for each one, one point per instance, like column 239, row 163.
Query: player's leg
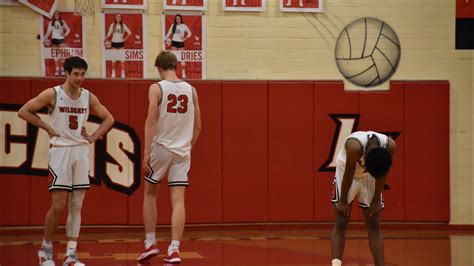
column 183, row 64
column 301, row 3
column 372, row 222
column 159, row 168
column 338, row 238
column 375, row 237
column 178, row 181
column 58, row 202
column 61, row 60
column 80, row 183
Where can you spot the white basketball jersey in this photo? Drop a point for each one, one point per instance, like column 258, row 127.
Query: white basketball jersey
column 362, row 137
column 68, row 116
column 176, row 121
column 58, row 30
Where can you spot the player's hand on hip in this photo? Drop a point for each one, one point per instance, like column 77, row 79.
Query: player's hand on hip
column 86, row 136
column 52, row 133
column 343, row 207
column 375, row 207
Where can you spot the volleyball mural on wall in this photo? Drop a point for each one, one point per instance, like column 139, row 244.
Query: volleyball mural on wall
column 183, row 34
column 367, row 52
column 124, row 45
column 244, row 5
column 62, row 36
column 44, row 7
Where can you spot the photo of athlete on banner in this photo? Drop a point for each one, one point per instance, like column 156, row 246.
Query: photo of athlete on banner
column 62, row 36
column 185, row 4
column 44, row 7
column 183, row 34
column 301, row 5
column 124, row 4
column 244, row 5
column 123, row 49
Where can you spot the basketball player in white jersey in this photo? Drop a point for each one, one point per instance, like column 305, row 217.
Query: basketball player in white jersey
column 171, row 130
column 69, row 105
column 362, row 166
column 181, row 33
column 58, row 30
column 119, row 32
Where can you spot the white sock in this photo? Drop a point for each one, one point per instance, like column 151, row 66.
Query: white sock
column 47, row 244
column 123, row 74
column 71, row 248
column 336, row 262
column 174, row 246
column 150, row 239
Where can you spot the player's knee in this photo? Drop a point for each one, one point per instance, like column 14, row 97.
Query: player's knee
column 76, row 205
column 340, row 225
column 58, row 206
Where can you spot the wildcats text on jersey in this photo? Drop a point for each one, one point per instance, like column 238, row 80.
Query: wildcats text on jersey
column 72, row 110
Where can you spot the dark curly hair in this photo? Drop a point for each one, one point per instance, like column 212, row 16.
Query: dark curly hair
column 74, row 62
column 378, row 162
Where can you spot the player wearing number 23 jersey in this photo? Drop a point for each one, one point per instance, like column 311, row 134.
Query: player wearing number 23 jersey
column 172, row 128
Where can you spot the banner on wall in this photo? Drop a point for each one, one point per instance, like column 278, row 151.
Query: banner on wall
column 44, row 7
column 301, row 5
column 124, row 45
column 244, row 5
column 185, row 4
column 465, row 24
column 62, row 36
column 183, row 34
column 124, row 4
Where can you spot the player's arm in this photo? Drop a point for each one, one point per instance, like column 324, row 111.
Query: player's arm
column 109, row 33
column 353, row 154
column 170, row 31
column 66, row 28
column 380, row 182
column 197, row 118
column 48, row 32
column 188, row 31
column 127, row 31
column 28, row 111
column 154, row 96
column 102, row 113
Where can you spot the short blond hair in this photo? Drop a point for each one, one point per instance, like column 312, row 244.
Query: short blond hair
column 166, row 60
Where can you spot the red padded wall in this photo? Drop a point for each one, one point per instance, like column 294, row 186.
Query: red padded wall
column 427, row 151
column 260, row 149
column 245, row 151
column 290, row 137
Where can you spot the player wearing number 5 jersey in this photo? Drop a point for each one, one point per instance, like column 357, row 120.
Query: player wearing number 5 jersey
column 171, row 130
column 68, row 108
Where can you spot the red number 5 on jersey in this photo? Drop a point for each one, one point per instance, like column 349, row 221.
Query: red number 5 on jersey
column 73, row 122
column 177, row 104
